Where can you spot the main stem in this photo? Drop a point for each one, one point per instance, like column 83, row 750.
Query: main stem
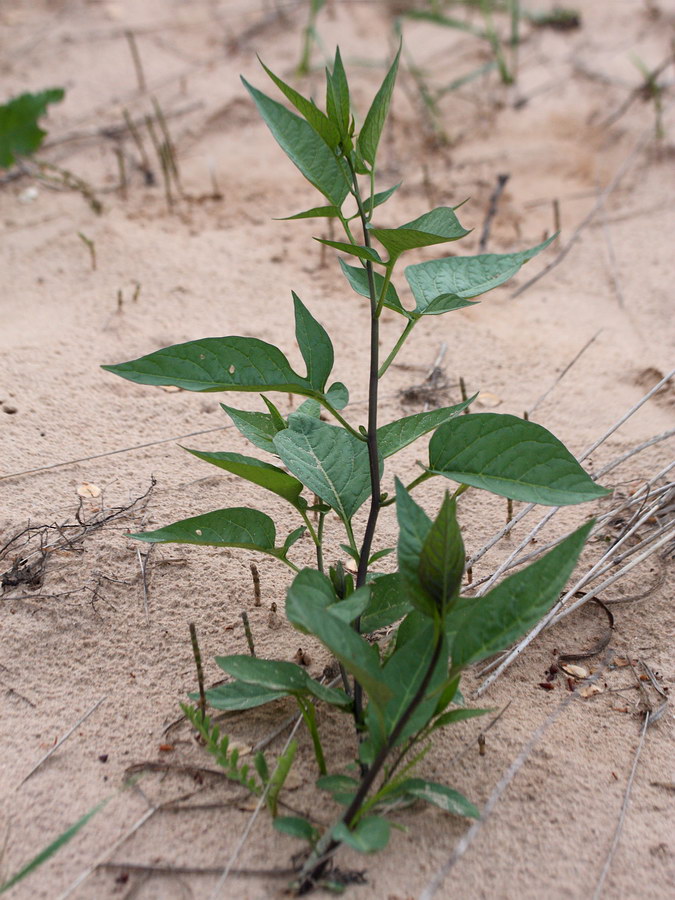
column 316, row 865
column 373, row 455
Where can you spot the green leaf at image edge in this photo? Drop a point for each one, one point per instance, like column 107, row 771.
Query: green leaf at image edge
column 20, row 135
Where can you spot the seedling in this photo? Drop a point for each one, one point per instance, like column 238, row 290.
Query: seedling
column 397, row 695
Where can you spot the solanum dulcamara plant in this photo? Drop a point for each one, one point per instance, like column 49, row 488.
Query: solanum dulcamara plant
column 323, row 460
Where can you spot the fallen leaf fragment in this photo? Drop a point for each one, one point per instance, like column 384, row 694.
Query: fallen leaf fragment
column 87, row 489
column 170, row 388
column 590, row 690
column 576, row 671
column 488, row 400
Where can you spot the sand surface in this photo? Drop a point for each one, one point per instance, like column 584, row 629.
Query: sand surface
column 97, row 622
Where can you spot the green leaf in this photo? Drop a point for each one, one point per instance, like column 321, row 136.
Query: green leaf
column 517, row 604
column 458, row 715
column 296, row 827
column 251, row 469
column 306, row 604
column 317, row 212
column 369, row 136
column 279, row 775
column 358, row 279
column 318, row 120
column 236, row 527
column 463, row 276
column 259, row 428
column 370, row 835
column 441, row 564
column 388, row 603
column 315, row 345
column 216, row 364
column 303, row 146
column 337, row 395
column 435, row 227
column 293, row 538
column 414, row 526
column 341, row 787
column 260, row 764
column 272, row 675
column 367, row 253
column 442, row 304
column 511, row 457
column 396, row 435
column 403, row 673
column 441, row 796
column 238, row 695
column 379, row 198
column 337, row 99
column 328, row 460
column 352, row 607
column 20, row 135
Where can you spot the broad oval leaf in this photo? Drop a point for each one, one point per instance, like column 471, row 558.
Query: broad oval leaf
column 296, row 827
column 463, row 276
column 315, row 345
column 396, row 435
column 216, row 364
column 251, row 469
column 328, row 460
column 440, row 795
column 511, row 457
column 435, row 227
column 370, row 835
column 238, row 695
column 517, row 604
column 303, row 146
column 236, row 527
column 273, row 675
column 358, row 279
column 369, row 136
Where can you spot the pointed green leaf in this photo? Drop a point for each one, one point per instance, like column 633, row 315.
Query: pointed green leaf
column 511, row 457
column 341, row 787
column 303, row 146
column 369, row 136
column 216, row 364
column 403, row 673
column 370, row 835
column 458, row 715
column 251, row 469
column 349, row 609
column 259, row 428
column 337, row 395
column 308, row 110
column 293, row 538
column 440, row 795
column 463, row 276
column 435, row 227
column 272, row 675
column 238, row 695
column 358, row 279
column 328, row 460
column 396, row 435
column 296, row 827
column 517, row 604
column 441, row 564
column 337, row 98
column 306, row 604
column 388, row 603
column 379, row 198
column 20, row 135
column 317, row 212
column 414, row 526
column 315, row 345
column 367, row 253
column 442, row 304
column 236, row 527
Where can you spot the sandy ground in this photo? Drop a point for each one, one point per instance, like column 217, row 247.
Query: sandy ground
column 90, row 627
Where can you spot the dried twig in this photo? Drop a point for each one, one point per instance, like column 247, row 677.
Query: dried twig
column 563, row 373
column 60, row 742
column 492, row 211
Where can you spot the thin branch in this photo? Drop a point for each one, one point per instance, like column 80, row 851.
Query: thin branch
column 62, row 740
column 564, row 372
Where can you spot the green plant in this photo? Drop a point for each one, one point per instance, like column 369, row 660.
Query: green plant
column 397, row 696
column 20, row 134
